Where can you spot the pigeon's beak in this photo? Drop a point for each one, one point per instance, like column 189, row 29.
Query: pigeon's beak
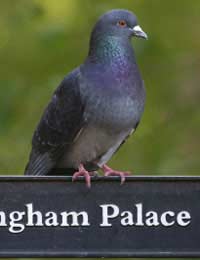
column 138, row 32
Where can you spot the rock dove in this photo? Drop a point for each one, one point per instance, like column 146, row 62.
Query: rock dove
column 96, row 107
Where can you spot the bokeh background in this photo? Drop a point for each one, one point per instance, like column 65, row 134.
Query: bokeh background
column 42, row 40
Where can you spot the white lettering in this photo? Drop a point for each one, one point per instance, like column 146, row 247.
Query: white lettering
column 127, row 218
column 74, row 219
column 51, row 219
column 3, row 219
column 16, row 227
column 106, row 216
column 152, row 218
column 183, row 218
column 138, row 216
column 31, row 215
column 164, row 216
column 139, row 221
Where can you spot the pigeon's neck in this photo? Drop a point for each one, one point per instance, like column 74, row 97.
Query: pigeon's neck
column 112, row 51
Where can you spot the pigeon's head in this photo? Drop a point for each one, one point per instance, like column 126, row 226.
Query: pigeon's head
column 119, row 23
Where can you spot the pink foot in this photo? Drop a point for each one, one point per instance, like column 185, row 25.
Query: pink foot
column 110, row 172
column 82, row 172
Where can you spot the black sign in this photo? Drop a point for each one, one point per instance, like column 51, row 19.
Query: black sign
column 145, row 217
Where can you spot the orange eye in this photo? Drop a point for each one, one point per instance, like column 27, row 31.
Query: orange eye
column 122, row 23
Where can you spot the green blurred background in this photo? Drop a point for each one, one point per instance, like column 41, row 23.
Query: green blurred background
column 42, row 40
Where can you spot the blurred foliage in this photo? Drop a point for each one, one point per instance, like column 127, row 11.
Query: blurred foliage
column 42, row 40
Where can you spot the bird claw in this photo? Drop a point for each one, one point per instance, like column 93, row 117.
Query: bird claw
column 110, row 172
column 82, row 172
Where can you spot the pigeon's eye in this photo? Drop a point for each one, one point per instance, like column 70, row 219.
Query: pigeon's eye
column 122, row 23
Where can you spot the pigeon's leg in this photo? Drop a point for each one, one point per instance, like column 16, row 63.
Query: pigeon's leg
column 110, row 172
column 83, row 172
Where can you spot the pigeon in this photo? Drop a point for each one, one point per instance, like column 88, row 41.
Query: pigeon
column 95, row 108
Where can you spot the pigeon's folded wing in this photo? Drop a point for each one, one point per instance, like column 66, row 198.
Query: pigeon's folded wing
column 58, row 127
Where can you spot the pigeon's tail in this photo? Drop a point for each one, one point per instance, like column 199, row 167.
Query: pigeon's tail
column 39, row 164
column 52, row 172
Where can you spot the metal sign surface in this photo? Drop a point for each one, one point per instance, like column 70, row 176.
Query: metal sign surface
column 145, row 217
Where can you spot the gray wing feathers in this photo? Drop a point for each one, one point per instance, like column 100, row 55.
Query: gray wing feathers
column 59, row 125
